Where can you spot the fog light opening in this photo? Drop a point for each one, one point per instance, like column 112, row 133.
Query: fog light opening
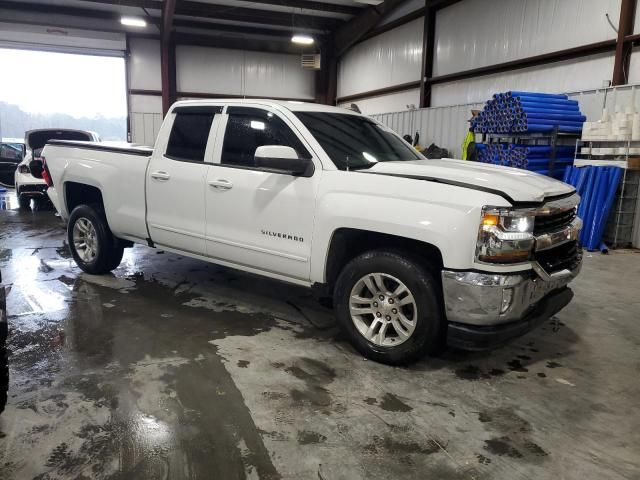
column 507, row 298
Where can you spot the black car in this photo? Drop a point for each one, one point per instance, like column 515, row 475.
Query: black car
column 11, row 154
column 4, row 361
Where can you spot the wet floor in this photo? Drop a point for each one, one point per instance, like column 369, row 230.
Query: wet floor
column 176, row 369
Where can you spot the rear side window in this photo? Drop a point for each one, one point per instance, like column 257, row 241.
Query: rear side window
column 250, row 128
column 190, row 132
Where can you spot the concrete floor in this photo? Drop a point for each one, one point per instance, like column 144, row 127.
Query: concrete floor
column 173, row 368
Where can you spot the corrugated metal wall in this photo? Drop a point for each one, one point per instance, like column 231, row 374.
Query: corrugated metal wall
column 240, row 72
column 145, row 111
column 389, row 59
column 578, row 74
column 205, row 70
column 444, row 126
column 478, row 33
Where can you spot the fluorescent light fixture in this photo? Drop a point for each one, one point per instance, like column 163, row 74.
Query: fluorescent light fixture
column 133, row 22
column 302, row 39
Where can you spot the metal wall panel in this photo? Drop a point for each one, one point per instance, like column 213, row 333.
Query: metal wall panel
column 146, row 118
column 239, row 72
column 209, row 70
column 393, row 102
column 389, row 59
column 572, row 75
column 277, row 75
column 444, row 126
column 478, row 33
column 144, row 64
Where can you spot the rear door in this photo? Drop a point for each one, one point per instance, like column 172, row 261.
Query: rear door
column 257, row 218
column 176, row 180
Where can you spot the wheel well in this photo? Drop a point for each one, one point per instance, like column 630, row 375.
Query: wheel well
column 80, row 193
column 348, row 243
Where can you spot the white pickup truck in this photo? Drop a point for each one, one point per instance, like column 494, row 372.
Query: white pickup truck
column 413, row 252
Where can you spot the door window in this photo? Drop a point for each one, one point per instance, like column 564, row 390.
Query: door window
column 189, row 133
column 250, row 128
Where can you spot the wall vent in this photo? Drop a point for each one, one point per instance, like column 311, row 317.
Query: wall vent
column 311, row 61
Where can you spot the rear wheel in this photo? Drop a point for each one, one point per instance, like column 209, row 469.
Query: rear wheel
column 24, row 202
column 388, row 304
column 93, row 246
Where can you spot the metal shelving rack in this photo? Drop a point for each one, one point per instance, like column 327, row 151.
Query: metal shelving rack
column 552, row 139
column 621, row 223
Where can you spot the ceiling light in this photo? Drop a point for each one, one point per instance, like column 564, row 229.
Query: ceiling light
column 302, row 39
column 133, row 22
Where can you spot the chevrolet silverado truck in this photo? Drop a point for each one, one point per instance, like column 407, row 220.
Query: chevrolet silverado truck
column 413, row 253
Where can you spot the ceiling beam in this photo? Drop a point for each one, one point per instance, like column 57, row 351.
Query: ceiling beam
column 151, row 4
column 187, row 8
column 57, row 10
column 303, row 4
column 242, row 14
column 213, row 27
column 276, row 45
column 349, row 33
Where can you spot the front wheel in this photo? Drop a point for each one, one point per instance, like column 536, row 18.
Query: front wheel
column 388, row 305
column 93, row 246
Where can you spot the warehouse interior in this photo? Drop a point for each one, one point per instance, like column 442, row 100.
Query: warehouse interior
column 171, row 367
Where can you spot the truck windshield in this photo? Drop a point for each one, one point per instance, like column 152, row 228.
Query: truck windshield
column 355, row 142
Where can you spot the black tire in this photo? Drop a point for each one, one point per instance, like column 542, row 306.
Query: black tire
column 4, row 365
column 109, row 248
column 429, row 321
column 24, row 202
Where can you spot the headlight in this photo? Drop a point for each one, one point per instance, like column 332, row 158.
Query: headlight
column 505, row 236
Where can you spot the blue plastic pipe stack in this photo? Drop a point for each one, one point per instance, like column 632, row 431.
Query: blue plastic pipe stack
column 518, row 112
column 534, row 158
column 597, row 187
column 521, row 113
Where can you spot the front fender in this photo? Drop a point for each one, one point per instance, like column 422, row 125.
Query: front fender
column 444, row 216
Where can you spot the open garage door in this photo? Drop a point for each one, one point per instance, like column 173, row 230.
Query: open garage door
column 58, row 79
column 62, row 40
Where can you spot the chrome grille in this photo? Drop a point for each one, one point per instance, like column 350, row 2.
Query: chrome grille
column 553, row 222
column 565, row 256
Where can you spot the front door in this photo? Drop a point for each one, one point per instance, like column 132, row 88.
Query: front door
column 176, row 181
column 256, row 218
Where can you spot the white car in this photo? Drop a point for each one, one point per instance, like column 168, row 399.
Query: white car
column 413, row 252
column 29, row 186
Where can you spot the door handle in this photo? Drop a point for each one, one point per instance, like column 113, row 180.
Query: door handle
column 160, row 175
column 221, row 184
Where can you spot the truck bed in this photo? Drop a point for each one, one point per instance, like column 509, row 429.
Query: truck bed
column 115, row 147
column 116, row 169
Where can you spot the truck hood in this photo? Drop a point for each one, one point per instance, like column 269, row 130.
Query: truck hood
column 516, row 184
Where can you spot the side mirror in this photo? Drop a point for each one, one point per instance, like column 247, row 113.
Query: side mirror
column 282, row 159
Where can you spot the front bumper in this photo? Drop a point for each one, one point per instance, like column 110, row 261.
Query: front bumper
column 473, row 337
column 497, row 307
